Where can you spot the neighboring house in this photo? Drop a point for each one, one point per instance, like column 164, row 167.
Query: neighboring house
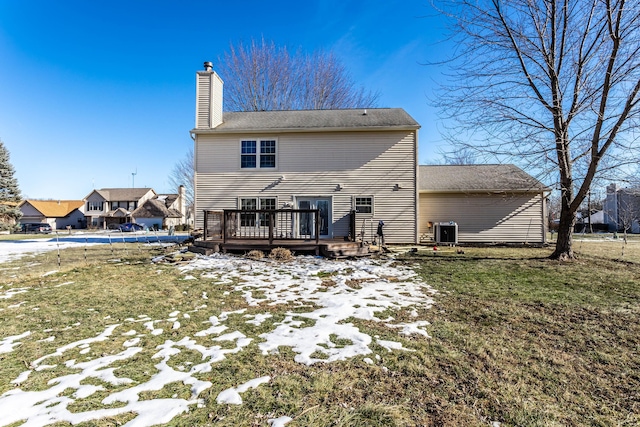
column 336, row 161
column 163, row 212
column 622, row 209
column 109, row 207
column 59, row 214
column 489, row 203
column 590, row 223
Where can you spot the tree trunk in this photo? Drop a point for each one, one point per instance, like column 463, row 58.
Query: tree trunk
column 564, row 244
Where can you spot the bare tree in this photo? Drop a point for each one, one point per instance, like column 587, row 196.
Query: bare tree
column 550, row 84
column 183, row 174
column 263, row 77
column 464, row 156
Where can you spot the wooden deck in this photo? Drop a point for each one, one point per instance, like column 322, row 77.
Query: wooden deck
column 330, row 248
column 244, row 230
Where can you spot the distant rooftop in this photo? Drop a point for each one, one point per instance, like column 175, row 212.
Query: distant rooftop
column 55, row 208
column 123, row 194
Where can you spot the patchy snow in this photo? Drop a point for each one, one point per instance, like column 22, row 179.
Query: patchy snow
column 412, row 328
column 231, row 396
column 279, row 422
column 357, row 289
column 7, row 344
column 9, row 293
column 322, row 301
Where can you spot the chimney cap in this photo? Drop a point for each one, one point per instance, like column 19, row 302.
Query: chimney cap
column 208, row 66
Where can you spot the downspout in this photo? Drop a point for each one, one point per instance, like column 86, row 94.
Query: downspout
column 189, row 213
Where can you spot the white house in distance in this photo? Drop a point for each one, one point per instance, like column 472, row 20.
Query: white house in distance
column 336, row 161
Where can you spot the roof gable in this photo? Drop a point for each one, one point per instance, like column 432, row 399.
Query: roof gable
column 477, row 178
column 55, row 208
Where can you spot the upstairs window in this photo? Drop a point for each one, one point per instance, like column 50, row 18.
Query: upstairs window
column 94, row 206
column 258, row 154
column 248, row 154
column 131, row 206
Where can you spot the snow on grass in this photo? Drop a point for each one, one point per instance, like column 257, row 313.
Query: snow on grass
column 7, row 344
column 10, row 293
column 322, row 301
column 232, row 396
column 412, row 328
column 279, row 422
column 357, row 289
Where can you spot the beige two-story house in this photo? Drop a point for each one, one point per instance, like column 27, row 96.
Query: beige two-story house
column 335, row 161
column 110, row 207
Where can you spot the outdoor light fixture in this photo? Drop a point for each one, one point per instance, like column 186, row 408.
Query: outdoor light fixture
column 339, row 187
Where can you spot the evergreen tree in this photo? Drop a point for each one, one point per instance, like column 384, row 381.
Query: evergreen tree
column 9, row 192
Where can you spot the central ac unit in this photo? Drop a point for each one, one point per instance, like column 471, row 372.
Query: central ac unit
column 445, row 232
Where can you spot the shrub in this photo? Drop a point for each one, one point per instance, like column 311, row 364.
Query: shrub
column 255, row 254
column 280, row 254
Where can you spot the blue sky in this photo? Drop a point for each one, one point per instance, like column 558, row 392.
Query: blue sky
column 93, row 91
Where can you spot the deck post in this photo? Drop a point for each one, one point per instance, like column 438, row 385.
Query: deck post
column 352, row 226
column 272, row 220
column 224, row 226
column 206, row 222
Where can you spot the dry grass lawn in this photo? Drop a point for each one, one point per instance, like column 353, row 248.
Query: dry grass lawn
column 516, row 339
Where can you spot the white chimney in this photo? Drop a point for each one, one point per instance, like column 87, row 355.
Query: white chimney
column 208, row 98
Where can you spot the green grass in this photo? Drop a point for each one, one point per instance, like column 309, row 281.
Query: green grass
column 516, row 338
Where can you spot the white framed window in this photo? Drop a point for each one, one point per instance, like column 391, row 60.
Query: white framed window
column 95, row 206
column 258, row 153
column 130, row 206
column 363, row 205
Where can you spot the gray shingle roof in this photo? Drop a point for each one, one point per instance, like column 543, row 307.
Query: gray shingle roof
column 155, row 208
column 123, row 194
column 476, row 178
column 318, row 120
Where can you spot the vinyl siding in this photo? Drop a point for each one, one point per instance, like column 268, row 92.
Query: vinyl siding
column 29, row 212
column 483, row 218
column 313, row 165
column 208, row 100
column 203, row 100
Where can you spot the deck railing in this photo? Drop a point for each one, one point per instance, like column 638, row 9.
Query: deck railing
column 259, row 224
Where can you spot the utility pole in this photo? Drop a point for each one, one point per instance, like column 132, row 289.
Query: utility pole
column 133, row 178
